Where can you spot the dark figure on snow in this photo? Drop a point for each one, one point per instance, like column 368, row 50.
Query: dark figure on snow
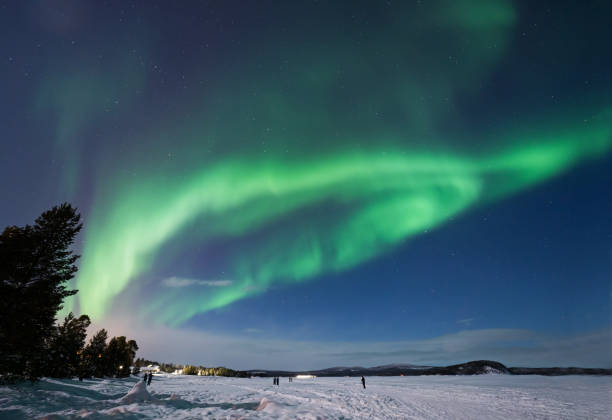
column 151, row 377
column 144, row 378
column 363, row 382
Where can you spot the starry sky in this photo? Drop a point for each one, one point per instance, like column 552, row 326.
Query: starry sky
column 305, row 184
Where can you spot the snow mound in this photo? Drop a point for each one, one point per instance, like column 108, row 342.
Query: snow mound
column 138, row 393
column 266, row 404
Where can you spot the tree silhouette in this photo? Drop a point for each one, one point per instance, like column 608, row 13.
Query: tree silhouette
column 94, row 355
column 66, row 347
column 35, row 264
column 120, row 355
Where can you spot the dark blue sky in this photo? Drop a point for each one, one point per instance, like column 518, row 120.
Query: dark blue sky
column 541, row 260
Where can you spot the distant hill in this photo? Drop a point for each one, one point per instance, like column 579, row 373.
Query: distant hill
column 476, row 367
column 558, row 371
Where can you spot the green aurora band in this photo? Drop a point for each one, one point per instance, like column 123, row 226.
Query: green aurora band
column 310, row 150
column 385, row 198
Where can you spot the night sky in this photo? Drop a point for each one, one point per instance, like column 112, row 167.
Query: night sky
column 305, row 184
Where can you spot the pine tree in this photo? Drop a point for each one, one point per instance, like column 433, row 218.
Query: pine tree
column 120, row 356
column 35, row 264
column 95, row 355
column 66, row 347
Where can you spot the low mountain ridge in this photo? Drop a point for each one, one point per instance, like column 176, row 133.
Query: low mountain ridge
column 475, row 367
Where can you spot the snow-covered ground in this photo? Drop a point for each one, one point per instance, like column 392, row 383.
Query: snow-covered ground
column 426, row 397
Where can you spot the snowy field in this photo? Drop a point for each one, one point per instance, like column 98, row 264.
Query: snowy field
column 434, row 397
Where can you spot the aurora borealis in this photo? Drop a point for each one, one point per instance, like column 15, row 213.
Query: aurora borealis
column 229, row 157
column 382, row 200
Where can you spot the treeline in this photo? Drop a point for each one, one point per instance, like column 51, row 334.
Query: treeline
column 36, row 262
column 164, row 367
column 192, row 370
column 70, row 356
column 214, row 371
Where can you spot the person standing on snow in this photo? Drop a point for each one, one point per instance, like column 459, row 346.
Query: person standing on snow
column 151, row 377
column 363, row 382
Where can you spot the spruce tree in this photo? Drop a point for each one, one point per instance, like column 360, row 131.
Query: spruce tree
column 120, row 356
column 66, row 347
column 36, row 263
column 95, row 355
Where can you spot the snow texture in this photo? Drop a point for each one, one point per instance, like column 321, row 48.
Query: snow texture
column 137, row 394
column 424, row 397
